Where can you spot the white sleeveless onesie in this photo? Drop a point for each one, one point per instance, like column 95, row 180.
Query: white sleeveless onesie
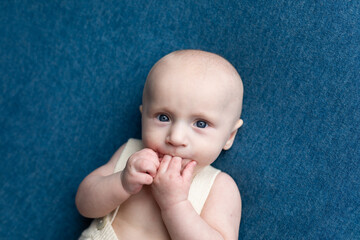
column 101, row 228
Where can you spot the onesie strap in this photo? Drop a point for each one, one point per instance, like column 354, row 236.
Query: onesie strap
column 132, row 146
column 201, row 186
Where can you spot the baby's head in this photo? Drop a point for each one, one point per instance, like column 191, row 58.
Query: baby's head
column 191, row 107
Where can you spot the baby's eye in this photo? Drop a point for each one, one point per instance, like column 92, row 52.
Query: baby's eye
column 163, row 118
column 201, row 124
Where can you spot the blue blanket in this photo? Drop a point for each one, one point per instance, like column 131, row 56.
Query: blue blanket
column 72, row 74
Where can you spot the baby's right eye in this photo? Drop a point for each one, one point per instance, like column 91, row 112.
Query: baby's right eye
column 163, row 118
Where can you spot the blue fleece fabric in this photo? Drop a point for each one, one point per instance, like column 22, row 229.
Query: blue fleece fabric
column 72, row 74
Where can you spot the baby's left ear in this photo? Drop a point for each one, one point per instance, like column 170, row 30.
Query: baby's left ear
column 140, row 108
column 230, row 141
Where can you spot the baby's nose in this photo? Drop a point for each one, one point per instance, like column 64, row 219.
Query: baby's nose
column 177, row 136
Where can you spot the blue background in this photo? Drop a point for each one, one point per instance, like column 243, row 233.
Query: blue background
column 72, row 73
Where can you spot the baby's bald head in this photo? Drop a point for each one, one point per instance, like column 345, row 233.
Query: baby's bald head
column 207, row 70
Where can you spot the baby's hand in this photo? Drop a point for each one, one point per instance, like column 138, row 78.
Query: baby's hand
column 140, row 169
column 171, row 184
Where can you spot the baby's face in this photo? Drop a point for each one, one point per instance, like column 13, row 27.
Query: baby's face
column 187, row 112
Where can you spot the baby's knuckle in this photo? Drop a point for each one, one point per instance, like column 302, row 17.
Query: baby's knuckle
column 133, row 158
column 172, row 177
column 131, row 164
column 149, row 152
column 142, row 164
column 146, row 151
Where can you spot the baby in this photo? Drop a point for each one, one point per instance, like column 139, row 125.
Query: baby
column 163, row 187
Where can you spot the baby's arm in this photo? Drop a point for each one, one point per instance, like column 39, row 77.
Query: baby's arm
column 221, row 214
column 103, row 190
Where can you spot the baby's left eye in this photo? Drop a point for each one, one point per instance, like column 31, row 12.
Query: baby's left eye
column 201, row 124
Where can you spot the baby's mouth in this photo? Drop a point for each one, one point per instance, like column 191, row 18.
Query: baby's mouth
column 184, row 161
column 160, row 155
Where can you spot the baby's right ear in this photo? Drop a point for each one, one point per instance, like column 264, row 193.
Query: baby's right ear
column 140, row 108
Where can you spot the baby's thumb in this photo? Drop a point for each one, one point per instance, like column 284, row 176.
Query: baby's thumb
column 189, row 170
column 147, row 179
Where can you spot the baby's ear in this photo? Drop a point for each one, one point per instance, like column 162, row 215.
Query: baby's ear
column 140, row 108
column 230, row 141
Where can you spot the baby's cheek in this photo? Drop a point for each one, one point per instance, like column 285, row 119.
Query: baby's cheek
column 208, row 157
column 148, row 141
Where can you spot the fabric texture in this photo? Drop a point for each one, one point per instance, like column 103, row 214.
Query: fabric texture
column 72, row 74
column 198, row 193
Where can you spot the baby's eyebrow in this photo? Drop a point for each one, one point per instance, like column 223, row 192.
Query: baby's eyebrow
column 162, row 109
column 205, row 116
column 158, row 110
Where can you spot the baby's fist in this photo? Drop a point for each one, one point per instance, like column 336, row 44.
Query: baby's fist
column 140, row 169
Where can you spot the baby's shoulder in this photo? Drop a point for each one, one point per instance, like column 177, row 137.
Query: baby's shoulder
column 224, row 192
column 224, row 183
